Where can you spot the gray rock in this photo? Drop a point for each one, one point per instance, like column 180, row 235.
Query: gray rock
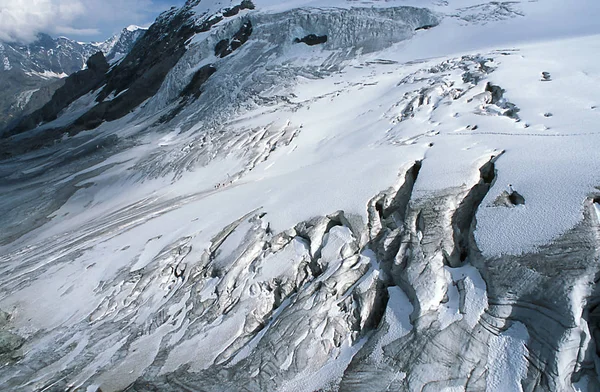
column 10, row 342
column 506, row 199
column 312, row 39
column 546, row 77
column 4, row 318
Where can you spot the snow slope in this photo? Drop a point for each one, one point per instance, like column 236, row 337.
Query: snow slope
column 334, row 217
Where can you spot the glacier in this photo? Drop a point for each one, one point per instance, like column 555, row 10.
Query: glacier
column 411, row 204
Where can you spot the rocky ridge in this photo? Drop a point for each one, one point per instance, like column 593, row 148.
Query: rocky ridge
column 31, row 73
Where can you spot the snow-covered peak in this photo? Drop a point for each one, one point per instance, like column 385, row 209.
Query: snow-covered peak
column 117, row 46
column 133, row 28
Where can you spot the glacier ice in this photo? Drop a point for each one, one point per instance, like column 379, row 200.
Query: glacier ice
column 341, row 216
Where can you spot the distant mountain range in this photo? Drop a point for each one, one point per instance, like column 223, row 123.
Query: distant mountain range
column 29, row 74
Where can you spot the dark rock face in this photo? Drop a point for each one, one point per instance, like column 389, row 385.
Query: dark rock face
column 132, row 81
column 200, row 77
column 516, row 198
column 546, row 77
column 121, row 44
column 245, row 5
column 30, row 74
column 222, row 48
column 312, row 39
column 192, row 91
column 76, row 85
column 225, row 47
column 145, row 67
column 426, row 27
column 496, row 91
column 241, row 37
column 97, row 63
column 511, row 199
column 497, row 98
column 141, row 73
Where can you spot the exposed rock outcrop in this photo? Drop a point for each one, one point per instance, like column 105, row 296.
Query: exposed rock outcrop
column 227, row 46
column 31, row 73
column 512, row 199
column 75, row 86
column 200, row 77
column 244, row 5
column 10, row 342
column 312, row 39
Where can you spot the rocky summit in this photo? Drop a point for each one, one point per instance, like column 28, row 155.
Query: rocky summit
column 341, row 195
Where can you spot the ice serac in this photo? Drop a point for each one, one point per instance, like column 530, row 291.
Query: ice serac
column 272, row 197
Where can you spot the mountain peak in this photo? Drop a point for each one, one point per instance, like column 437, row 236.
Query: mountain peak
column 37, row 68
column 133, row 28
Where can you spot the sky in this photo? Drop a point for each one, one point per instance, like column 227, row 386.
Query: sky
column 82, row 20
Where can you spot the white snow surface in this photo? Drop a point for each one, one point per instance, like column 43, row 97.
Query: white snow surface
column 47, row 74
column 507, row 360
column 135, row 28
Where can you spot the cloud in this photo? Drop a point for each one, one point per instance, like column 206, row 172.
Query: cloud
column 22, row 20
column 71, row 31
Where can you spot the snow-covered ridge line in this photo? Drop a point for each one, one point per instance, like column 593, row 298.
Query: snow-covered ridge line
column 135, row 28
column 348, row 31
